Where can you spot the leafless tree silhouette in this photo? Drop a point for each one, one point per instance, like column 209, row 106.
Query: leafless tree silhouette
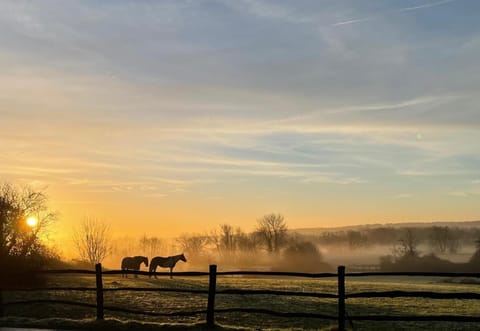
column 409, row 244
column 272, row 230
column 93, row 240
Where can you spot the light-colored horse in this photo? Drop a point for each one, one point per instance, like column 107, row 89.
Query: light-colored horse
column 165, row 262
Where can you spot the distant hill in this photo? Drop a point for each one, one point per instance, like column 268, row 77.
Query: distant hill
column 459, row 224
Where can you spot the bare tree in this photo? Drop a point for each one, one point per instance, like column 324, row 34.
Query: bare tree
column 150, row 246
column 18, row 237
column 247, row 242
column 439, row 238
column 227, row 238
column 192, row 245
column 409, row 243
column 124, row 246
column 93, row 240
column 442, row 238
column 272, row 231
column 355, row 239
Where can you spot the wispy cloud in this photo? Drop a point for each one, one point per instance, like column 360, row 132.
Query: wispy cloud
column 419, row 101
column 415, row 173
column 427, row 5
column 360, row 20
column 270, row 9
column 334, row 180
column 156, row 195
column 405, row 9
column 459, row 194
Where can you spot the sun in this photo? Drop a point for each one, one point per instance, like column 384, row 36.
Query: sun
column 32, row 222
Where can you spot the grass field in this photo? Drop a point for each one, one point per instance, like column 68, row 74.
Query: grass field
column 170, row 302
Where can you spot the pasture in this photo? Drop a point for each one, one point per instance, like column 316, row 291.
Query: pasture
column 168, row 302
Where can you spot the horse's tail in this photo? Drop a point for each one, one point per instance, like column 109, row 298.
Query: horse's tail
column 125, row 263
column 124, row 266
column 153, row 265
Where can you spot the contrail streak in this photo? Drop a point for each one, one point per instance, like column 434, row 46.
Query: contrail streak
column 428, row 5
column 406, row 9
column 353, row 21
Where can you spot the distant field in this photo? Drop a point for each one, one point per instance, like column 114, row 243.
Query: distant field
column 170, row 302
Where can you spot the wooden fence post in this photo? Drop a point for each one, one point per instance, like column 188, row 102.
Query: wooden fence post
column 212, row 287
column 98, row 273
column 341, row 298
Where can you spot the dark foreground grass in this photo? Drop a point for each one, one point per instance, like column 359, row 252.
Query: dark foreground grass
column 53, row 315
column 111, row 324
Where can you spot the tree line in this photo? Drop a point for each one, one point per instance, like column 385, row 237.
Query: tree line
column 271, row 243
column 438, row 239
column 21, row 244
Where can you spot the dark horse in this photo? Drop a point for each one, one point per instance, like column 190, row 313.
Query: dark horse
column 133, row 263
column 165, row 262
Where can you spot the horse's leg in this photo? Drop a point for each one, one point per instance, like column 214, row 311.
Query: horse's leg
column 171, row 276
column 153, row 270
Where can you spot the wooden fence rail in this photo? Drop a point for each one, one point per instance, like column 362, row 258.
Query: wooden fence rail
column 211, row 293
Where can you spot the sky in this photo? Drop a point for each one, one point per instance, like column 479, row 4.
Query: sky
column 171, row 117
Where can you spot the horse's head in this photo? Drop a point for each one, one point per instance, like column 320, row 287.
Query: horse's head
column 145, row 260
column 182, row 257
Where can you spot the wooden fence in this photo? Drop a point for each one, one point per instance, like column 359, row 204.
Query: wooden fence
column 210, row 310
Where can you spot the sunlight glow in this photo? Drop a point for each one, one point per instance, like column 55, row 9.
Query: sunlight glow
column 32, row 222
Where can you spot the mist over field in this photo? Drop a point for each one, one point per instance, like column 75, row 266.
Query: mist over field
column 360, row 248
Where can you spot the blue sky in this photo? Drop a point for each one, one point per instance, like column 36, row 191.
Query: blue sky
column 330, row 112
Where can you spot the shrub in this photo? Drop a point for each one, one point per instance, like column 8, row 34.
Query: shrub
column 302, row 257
